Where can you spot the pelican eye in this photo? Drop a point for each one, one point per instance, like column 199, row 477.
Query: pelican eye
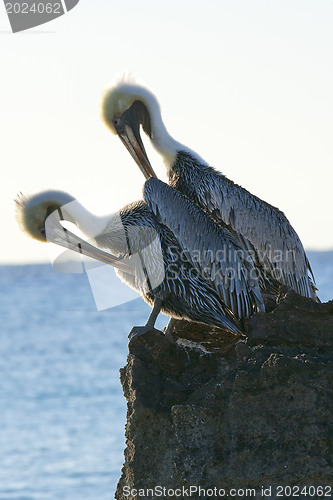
column 42, row 231
column 116, row 122
column 50, row 210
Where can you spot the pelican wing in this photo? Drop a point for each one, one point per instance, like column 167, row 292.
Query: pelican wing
column 215, row 254
column 263, row 229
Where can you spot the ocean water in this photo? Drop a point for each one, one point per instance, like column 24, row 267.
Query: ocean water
column 62, row 410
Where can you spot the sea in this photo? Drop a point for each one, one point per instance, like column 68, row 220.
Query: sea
column 62, row 409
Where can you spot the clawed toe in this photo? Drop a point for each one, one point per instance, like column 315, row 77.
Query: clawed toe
column 137, row 331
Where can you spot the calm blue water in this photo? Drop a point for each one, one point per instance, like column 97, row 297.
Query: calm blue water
column 62, row 410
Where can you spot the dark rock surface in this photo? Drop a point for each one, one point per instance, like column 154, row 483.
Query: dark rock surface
column 219, row 411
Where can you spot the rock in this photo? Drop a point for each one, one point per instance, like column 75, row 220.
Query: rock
column 214, row 410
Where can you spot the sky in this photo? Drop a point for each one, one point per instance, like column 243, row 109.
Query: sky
column 246, row 84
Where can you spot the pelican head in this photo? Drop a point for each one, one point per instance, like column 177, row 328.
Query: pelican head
column 32, row 211
column 39, row 216
column 128, row 98
column 125, row 108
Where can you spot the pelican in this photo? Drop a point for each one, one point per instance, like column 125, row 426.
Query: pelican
column 262, row 229
column 154, row 258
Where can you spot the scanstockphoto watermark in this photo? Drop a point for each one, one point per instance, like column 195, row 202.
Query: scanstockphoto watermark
column 264, row 491
column 27, row 14
column 227, row 263
column 193, row 491
column 223, row 275
column 229, row 255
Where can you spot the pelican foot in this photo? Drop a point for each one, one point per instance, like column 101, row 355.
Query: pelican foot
column 137, row 331
column 168, row 331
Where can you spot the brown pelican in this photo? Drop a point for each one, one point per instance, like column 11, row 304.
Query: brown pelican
column 262, row 229
column 156, row 258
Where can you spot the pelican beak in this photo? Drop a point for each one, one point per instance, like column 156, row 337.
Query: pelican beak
column 56, row 233
column 128, row 129
column 137, row 151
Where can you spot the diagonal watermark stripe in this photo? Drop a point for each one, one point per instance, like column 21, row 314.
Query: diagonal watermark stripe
column 70, row 4
column 139, row 246
column 27, row 14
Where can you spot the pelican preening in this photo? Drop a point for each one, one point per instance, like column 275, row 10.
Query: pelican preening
column 201, row 248
column 33, row 212
column 261, row 229
column 153, row 253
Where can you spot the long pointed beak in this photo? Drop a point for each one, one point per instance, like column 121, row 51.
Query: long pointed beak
column 56, row 233
column 134, row 145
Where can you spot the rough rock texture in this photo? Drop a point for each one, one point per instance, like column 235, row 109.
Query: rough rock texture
column 219, row 411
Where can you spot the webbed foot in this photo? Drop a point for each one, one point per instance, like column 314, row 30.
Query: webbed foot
column 140, row 330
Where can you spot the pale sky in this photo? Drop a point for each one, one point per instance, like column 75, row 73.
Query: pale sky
column 245, row 83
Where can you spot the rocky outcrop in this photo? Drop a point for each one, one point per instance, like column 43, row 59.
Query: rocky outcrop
column 232, row 415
